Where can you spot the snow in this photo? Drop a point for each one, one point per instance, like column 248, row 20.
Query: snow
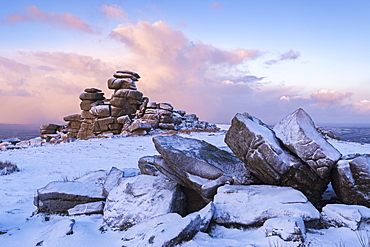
column 67, row 161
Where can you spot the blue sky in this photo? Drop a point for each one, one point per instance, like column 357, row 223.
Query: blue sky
column 212, row 58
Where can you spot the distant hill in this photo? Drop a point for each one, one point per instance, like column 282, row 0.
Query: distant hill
column 353, row 134
column 21, row 131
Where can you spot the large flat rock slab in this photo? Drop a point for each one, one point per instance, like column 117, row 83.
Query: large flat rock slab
column 199, row 165
column 252, row 205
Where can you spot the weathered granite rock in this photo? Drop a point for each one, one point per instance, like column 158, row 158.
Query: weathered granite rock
column 128, row 72
column 138, row 198
column 87, row 208
column 59, row 196
column 351, row 179
column 50, row 128
column 100, row 111
column 92, row 90
column 287, row 228
column 112, row 180
column 73, row 117
column 199, row 165
column 92, row 96
column 256, row 145
column 138, row 125
column 249, row 205
column 298, row 133
column 164, row 230
column 340, row 215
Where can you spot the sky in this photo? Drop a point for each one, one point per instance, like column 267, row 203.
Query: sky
column 211, row 58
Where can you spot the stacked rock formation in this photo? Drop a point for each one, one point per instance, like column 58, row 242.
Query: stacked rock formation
column 126, row 112
column 89, row 98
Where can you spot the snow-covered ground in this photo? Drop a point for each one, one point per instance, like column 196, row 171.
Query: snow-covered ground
column 66, row 161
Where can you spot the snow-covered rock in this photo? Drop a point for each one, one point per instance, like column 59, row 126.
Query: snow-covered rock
column 206, row 215
column 351, row 180
column 286, row 228
column 199, row 165
column 257, row 146
column 138, row 198
column 112, row 180
column 248, row 205
column 52, row 235
column 341, row 215
column 87, row 208
column 298, row 133
column 164, row 230
column 59, row 196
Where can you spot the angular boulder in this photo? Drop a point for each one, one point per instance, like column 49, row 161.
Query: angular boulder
column 139, row 198
column 252, row 205
column 268, row 159
column 298, row 133
column 199, row 165
column 354, row 217
column 164, row 230
column 351, row 180
column 112, row 180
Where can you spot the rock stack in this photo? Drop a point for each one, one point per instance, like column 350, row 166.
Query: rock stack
column 73, row 124
column 127, row 112
column 89, row 98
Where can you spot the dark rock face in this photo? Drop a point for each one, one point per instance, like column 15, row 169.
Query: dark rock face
column 298, row 133
column 199, row 165
column 256, row 145
column 351, row 180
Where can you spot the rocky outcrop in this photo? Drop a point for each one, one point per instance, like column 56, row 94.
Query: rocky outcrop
column 351, row 179
column 60, row 196
column 268, row 159
column 252, row 205
column 127, row 112
column 50, row 129
column 199, row 165
column 139, row 198
column 298, row 133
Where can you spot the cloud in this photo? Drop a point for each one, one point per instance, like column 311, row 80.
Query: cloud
column 289, row 55
column 113, row 11
column 66, row 20
column 329, row 97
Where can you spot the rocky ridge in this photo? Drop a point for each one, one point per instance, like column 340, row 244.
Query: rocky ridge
column 192, row 186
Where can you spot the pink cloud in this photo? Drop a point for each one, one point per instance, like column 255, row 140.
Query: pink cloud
column 113, row 11
column 328, row 97
column 67, row 20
